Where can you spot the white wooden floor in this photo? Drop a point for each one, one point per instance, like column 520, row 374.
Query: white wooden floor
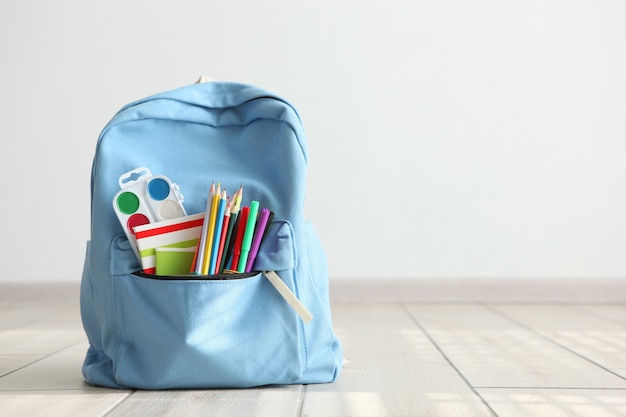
column 428, row 348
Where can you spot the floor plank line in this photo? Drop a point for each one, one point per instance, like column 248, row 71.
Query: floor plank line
column 278, row 401
column 111, row 410
column 41, row 358
column 300, row 412
column 556, row 402
column 613, row 313
column 550, row 388
column 447, row 359
column 553, row 341
column 70, row 403
column 394, row 370
column 491, row 350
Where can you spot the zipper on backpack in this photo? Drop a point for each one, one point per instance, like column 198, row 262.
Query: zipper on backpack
column 192, row 277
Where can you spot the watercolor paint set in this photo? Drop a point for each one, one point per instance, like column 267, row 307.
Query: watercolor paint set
column 144, row 199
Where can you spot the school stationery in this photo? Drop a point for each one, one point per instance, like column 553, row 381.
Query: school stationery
column 259, row 233
column 219, row 220
column 208, row 249
column 198, row 260
column 225, row 225
column 182, row 232
column 241, row 231
column 247, row 236
column 144, row 199
column 232, row 226
column 270, row 326
column 173, row 261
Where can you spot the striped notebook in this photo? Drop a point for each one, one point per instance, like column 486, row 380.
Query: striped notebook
column 182, row 232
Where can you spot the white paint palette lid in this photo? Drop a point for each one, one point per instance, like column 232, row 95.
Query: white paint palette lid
column 145, row 198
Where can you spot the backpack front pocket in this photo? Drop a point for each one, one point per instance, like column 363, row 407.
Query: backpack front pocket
column 204, row 333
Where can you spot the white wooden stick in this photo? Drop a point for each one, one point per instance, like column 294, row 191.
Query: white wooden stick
column 289, row 296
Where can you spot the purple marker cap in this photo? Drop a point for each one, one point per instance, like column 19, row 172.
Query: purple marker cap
column 259, row 232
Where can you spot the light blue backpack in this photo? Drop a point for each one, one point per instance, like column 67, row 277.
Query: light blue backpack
column 261, row 328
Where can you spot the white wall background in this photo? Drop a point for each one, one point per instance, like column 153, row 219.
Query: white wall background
column 447, row 138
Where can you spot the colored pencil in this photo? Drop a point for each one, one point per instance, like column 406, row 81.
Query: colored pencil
column 232, row 228
column 198, row 257
column 225, row 226
column 210, row 232
column 219, row 222
column 241, row 228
